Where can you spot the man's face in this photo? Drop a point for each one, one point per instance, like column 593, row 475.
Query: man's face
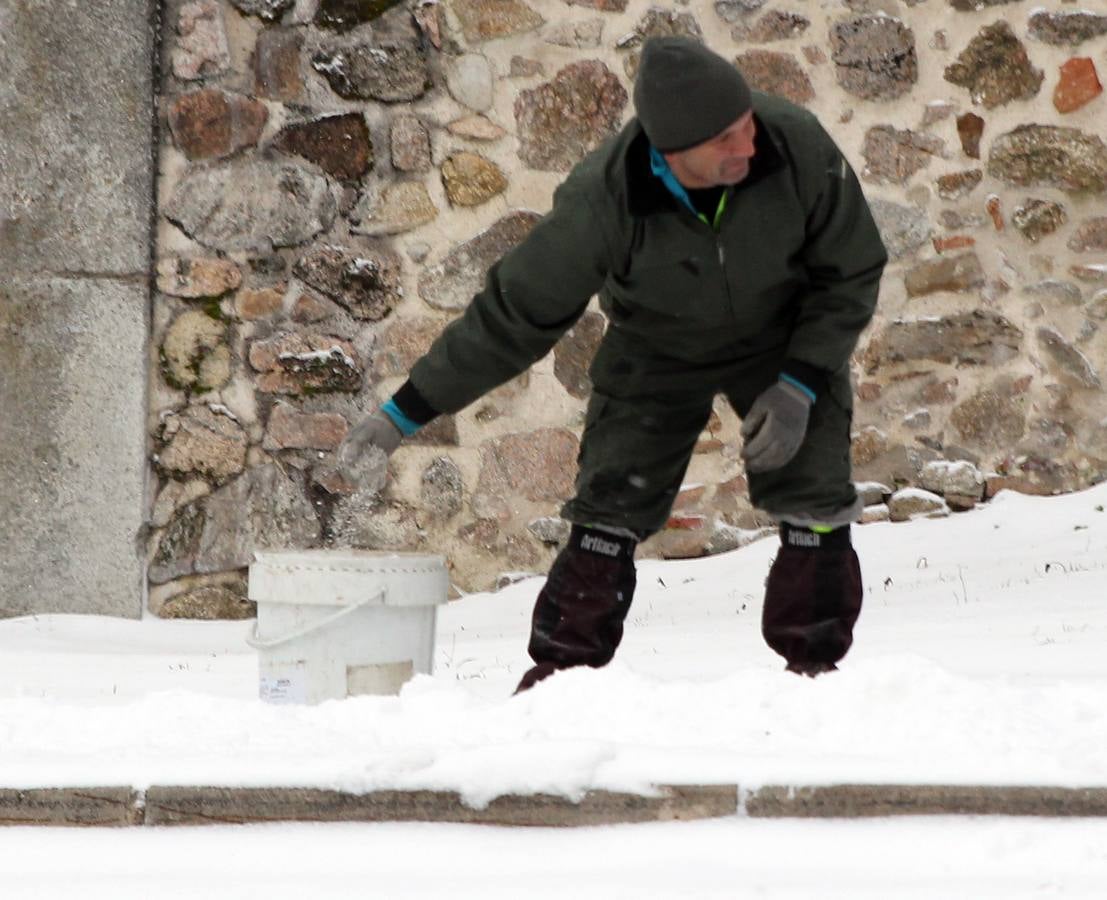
column 722, row 160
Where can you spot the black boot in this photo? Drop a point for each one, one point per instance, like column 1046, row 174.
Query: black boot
column 812, row 598
column 578, row 618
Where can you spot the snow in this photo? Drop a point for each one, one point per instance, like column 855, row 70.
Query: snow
column 978, row 659
column 938, row 859
column 919, row 494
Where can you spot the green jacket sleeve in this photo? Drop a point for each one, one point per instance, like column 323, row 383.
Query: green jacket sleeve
column 531, row 297
column 845, row 258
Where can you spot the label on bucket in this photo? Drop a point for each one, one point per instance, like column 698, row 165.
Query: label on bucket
column 288, row 687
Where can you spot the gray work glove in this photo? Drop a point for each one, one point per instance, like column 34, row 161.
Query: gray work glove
column 375, row 430
column 773, row 429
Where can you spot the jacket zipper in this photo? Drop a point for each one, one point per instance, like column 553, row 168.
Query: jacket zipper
column 721, row 248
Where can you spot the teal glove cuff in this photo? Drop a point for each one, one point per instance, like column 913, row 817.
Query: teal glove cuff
column 799, row 386
column 406, row 426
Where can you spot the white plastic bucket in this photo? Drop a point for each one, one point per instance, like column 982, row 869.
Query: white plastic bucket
column 334, row 624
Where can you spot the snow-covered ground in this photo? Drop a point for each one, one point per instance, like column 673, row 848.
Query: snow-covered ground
column 727, row 859
column 980, row 657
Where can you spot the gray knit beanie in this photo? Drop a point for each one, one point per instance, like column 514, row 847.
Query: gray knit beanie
column 686, row 94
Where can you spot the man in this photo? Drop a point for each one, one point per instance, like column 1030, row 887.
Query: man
column 733, row 252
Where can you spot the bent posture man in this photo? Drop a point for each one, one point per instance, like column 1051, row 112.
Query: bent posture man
column 733, row 252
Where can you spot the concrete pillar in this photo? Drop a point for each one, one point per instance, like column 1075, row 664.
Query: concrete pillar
column 76, row 200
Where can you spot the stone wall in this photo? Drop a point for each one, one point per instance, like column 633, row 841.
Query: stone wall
column 337, row 175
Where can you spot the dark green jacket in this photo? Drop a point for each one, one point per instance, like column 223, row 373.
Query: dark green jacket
column 791, row 275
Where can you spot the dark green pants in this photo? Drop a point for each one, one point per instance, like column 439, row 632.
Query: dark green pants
column 639, row 436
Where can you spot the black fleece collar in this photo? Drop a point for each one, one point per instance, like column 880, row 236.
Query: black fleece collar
column 646, row 194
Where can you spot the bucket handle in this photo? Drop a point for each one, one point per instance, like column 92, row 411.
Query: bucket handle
column 260, row 643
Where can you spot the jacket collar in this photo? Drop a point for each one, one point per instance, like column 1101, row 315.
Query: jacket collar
column 647, row 194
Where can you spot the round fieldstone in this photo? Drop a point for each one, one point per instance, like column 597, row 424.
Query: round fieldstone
column 363, row 520
column 339, row 145
column 902, row 228
column 400, row 207
column 290, row 429
column 209, row 603
column 178, row 544
column 1072, row 363
column 393, row 72
column 958, row 273
column 523, row 67
column 1094, row 273
column 560, row 121
column 1057, row 290
column 305, row 364
column 980, row 337
column 604, row 5
column 1097, row 306
column 1034, row 219
column 937, row 111
column 1078, row 85
column 584, row 35
column 410, row 144
column 442, row 432
column 538, row 465
column 877, row 512
column 451, row 284
column 1066, row 29
column 732, row 11
column 366, row 282
column 550, row 529
column 960, row 477
column 476, row 128
column 309, row 307
column 469, row 81
column 173, row 495
column 403, row 343
column 989, row 419
column 196, row 279
column 442, row 488
column 202, row 442
column 775, row 25
column 262, row 509
column 343, row 15
column 257, row 305
column 487, row 20
column 251, row 205
column 995, row 68
column 976, row 5
column 970, row 129
column 874, row 56
column 1065, row 158
column 201, row 50
column 656, row 22
column 277, row 65
column 955, row 220
column 776, row 73
column 470, row 179
column 268, row 10
column 211, row 123
column 574, row 352
column 915, row 503
column 1090, row 235
column 894, row 155
column 956, row 185
column 194, row 353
